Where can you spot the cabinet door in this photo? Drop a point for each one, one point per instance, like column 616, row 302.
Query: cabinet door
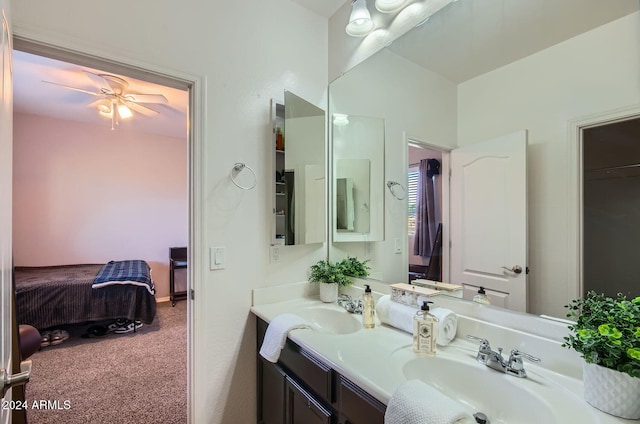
column 302, row 408
column 357, row 406
column 271, row 393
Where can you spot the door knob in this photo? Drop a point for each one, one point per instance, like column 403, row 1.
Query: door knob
column 9, row 381
column 515, row 269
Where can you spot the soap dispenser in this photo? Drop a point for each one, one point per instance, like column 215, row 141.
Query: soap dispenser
column 424, row 331
column 368, row 308
column 482, row 297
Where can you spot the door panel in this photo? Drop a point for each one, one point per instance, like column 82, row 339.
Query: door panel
column 489, row 218
column 6, row 155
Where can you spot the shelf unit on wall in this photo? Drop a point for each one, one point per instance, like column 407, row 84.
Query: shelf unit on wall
column 280, row 206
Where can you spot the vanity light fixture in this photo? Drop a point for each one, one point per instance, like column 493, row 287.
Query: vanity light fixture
column 389, row 6
column 360, row 23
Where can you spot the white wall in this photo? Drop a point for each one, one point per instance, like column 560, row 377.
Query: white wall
column 86, row 194
column 542, row 93
column 248, row 52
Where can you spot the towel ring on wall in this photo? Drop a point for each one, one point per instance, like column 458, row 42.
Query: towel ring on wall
column 239, row 167
column 391, row 185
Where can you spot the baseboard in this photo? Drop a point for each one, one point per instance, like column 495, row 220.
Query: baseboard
column 163, row 299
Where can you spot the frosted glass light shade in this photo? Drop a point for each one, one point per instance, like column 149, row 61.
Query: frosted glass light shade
column 389, row 6
column 360, row 23
column 124, row 111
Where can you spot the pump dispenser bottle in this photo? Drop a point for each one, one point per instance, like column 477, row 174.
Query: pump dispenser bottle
column 368, row 308
column 482, row 297
column 424, row 331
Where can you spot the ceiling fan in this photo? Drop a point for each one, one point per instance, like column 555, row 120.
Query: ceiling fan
column 113, row 100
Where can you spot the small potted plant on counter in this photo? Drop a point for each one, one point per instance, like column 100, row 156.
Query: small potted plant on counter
column 334, row 275
column 607, row 335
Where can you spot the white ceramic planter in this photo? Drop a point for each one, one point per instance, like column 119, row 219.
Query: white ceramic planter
column 329, row 292
column 612, row 391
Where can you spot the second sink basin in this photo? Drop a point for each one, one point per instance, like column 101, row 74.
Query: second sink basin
column 330, row 319
column 502, row 398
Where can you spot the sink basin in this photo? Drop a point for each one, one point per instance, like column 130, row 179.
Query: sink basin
column 502, row 398
column 330, row 320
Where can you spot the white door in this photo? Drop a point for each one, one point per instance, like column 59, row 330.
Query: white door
column 6, row 159
column 489, row 219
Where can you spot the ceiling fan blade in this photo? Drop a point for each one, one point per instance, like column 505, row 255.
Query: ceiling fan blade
column 100, row 82
column 141, row 109
column 74, row 88
column 146, row 98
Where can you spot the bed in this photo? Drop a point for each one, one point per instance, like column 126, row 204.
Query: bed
column 56, row 295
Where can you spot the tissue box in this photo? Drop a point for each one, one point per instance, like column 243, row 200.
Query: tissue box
column 408, row 294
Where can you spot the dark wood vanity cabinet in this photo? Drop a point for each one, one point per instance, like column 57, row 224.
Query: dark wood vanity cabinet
column 357, row 406
column 304, row 408
column 301, row 389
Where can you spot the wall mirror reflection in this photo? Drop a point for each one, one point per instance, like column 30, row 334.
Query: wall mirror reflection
column 358, row 182
column 299, row 171
column 531, row 75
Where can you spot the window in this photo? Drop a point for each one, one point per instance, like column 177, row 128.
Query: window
column 412, row 197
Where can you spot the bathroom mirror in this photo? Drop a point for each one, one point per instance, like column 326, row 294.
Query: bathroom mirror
column 358, row 178
column 299, row 172
column 480, row 69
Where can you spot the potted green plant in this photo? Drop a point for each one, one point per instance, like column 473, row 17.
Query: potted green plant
column 607, row 335
column 331, row 277
column 334, row 275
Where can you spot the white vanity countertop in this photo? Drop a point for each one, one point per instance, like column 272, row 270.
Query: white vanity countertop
column 374, row 358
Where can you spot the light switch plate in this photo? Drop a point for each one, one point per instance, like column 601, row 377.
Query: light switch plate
column 398, row 245
column 217, row 257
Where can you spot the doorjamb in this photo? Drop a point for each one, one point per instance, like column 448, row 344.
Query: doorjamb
column 576, row 126
column 445, row 172
column 196, row 132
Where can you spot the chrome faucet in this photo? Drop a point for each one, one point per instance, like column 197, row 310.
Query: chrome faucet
column 495, row 360
column 352, row 306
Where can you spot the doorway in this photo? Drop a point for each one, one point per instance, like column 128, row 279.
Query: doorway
column 611, row 207
column 427, row 220
column 192, row 164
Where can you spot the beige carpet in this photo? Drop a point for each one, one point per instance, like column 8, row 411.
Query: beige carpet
column 121, row 378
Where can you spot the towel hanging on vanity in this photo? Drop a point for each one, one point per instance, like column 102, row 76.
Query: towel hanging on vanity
column 276, row 335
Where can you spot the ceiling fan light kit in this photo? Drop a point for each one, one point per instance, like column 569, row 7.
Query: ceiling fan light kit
column 114, row 102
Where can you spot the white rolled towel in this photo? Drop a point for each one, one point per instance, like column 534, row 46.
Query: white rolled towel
column 447, row 325
column 401, row 317
column 395, row 314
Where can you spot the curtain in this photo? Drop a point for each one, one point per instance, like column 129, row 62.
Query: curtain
column 426, row 207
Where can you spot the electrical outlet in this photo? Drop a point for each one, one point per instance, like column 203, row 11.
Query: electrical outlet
column 274, row 254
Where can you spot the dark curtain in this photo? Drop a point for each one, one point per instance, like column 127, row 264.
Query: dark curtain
column 426, row 207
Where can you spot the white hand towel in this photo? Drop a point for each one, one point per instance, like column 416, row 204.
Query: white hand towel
column 276, row 334
column 415, row 402
column 447, row 325
column 395, row 314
